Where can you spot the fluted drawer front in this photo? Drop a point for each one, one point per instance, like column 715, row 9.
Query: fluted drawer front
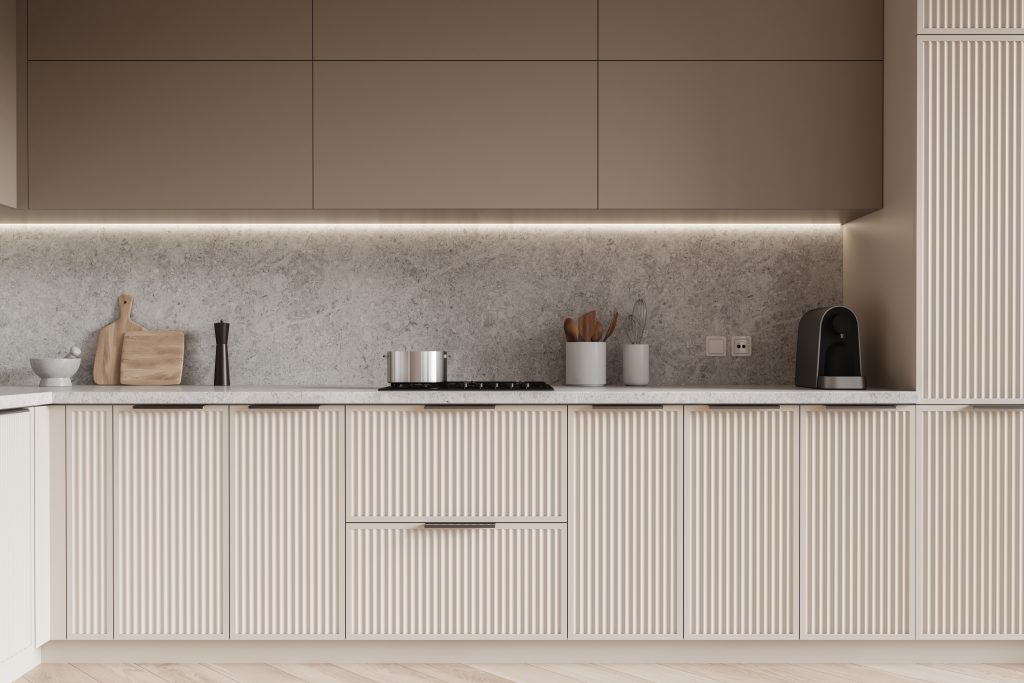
column 406, row 582
column 287, row 523
column 170, row 523
column 408, row 463
column 741, row 523
column 971, row 517
column 626, row 523
column 971, row 219
column 970, row 16
column 856, row 497
column 90, row 522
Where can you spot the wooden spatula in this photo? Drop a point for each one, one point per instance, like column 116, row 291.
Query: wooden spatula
column 106, row 369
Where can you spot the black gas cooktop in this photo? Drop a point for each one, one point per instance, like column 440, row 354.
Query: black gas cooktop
column 469, row 386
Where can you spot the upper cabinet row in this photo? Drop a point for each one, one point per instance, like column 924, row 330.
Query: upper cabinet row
column 455, row 104
column 455, row 29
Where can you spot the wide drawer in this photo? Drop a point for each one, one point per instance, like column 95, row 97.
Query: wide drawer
column 417, row 463
column 407, row 581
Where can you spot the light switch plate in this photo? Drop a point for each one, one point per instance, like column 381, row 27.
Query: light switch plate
column 741, row 345
column 715, row 346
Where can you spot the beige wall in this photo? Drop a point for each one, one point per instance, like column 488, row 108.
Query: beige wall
column 9, row 102
column 878, row 249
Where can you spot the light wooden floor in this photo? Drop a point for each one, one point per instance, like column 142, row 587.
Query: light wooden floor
column 522, row 673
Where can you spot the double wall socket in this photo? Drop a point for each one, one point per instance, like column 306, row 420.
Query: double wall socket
column 718, row 346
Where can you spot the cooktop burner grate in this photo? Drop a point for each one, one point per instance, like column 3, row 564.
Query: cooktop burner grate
column 469, row 386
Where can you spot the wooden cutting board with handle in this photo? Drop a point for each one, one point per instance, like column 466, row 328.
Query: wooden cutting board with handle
column 107, row 367
column 152, row 358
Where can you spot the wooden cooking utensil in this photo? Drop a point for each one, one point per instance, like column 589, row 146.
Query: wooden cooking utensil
column 598, row 331
column 587, row 321
column 152, row 358
column 611, row 325
column 106, row 369
column 572, row 330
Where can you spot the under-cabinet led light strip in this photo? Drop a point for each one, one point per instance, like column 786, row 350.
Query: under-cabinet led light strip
column 440, row 226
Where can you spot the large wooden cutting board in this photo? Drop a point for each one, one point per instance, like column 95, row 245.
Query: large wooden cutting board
column 107, row 367
column 152, row 358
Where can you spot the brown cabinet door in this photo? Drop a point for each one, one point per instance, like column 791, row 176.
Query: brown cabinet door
column 741, row 29
column 170, row 29
column 8, row 103
column 455, row 29
column 446, row 135
column 741, row 135
column 169, row 135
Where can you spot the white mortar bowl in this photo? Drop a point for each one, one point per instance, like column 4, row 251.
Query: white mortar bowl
column 55, row 372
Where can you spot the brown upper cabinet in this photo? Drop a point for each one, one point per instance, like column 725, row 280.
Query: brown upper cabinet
column 170, row 135
column 8, row 103
column 741, row 135
column 455, row 29
column 741, row 29
column 455, row 135
column 170, row 29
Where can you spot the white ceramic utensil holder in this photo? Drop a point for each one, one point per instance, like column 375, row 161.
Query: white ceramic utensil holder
column 585, row 364
column 636, row 365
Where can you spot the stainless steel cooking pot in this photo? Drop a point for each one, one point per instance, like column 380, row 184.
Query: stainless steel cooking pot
column 420, row 367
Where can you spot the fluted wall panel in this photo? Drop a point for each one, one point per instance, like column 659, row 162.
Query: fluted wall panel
column 857, row 531
column 971, row 521
column 741, row 531
column 170, row 523
column 90, row 544
column 626, row 523
column 970, row 16
column 971, row 219
column 287, row 523
column 407, row 582
column 414, row 464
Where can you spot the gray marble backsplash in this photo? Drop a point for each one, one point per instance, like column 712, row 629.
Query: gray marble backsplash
column 319, row 306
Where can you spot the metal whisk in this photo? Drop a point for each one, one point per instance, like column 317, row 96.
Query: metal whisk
column 636, row 322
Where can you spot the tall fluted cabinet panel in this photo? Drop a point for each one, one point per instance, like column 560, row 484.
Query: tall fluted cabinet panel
column 741, row 532
column 971, row 219
column 287, row 523
column 90, row 523
column 170, row 523
column 625, row 526
column 971, row 523
column 411, row 463
column 406, row 581
column 970, row 16
column 857, row 523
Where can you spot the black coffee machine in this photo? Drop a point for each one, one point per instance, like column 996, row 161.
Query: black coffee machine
column 828, row 350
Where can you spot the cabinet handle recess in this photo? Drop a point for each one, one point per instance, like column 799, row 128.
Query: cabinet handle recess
column 880, row 406
column 169, row 406
column 459, row 406
column 997, row 406
column 628, row 406
column 459, row 525
column 284, row 406
column 738, row 406
column 12, row 411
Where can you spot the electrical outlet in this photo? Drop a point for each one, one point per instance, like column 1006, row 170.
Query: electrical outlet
column 741, row 346
column 715, row 346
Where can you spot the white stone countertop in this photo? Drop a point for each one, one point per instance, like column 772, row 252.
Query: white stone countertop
column 21, row 397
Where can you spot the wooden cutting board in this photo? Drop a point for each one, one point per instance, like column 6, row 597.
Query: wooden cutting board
column 107, row 367
column 152, row 358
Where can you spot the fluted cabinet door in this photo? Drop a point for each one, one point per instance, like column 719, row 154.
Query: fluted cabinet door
column 17, row 607
column 856, row 498
column 287, row 523
column 90, row 522
column 971, row 523
column 625, row 526
column 407, row 581
column 741, row 532
column 416, row 463
column 970, row 16
column 971, row 219
column 171, row 523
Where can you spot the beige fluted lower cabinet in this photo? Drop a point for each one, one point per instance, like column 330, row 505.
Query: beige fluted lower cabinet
column 170, row 523
column 17, row 606
column 970, row 16
column 970, row 518
column 856, row 522
column 626, row 523
column 89, row 489
column 741, row 535
column 287, row 515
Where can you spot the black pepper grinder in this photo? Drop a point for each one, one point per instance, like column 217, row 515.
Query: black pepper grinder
column 221, row 371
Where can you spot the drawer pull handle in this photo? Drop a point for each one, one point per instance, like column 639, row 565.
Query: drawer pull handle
column 745, row 406
column 12, row 411
column 879, row 406
column 459, row 406
column 169, row 406
column 283, row 406
column 998, row 406
column 627, row 406
column 459, row 525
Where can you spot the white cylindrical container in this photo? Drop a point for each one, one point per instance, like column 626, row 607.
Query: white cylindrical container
column 636, row 365
column 585, row 364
